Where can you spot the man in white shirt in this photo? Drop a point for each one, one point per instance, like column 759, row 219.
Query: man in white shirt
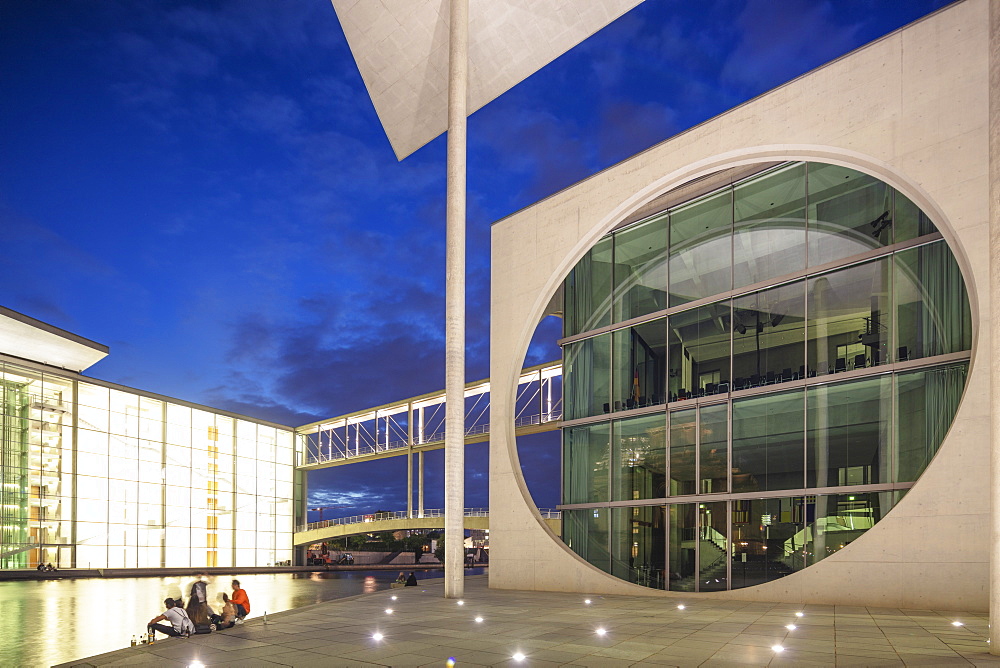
column 180, row 623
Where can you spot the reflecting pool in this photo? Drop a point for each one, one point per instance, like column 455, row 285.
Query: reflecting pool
column 53, row 621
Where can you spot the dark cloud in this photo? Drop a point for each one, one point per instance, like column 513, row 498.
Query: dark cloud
column 781, row 40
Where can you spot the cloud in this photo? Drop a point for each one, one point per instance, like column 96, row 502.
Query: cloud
column 781, row 40
column 627, row 128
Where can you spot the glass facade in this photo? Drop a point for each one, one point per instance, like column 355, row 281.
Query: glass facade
column 100, row 477
column 795, row 350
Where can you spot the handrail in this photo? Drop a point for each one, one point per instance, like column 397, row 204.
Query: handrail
column 546, row 513
column 435, row 437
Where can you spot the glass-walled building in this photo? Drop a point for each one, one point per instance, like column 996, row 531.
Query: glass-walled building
column 753, row 377
column 95, row 475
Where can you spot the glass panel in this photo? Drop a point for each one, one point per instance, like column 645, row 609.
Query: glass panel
column 769, row 233
column 849, row 213
column 699, row 351
column 585, row 532
column 586, row 382
column 769, row 336
column 849, row 318
column 682, row 452
column 768, row 540
column 926, row 402
column 768, row 442
column 640, row 458
column 836, row 520
column 932, row 306
column 713, row 545
column 682, row 552
column 588, row 291
column 641, row 269
column 849, row 433
column 638, row 545
column 701, row 248
column 910, row 222
column 585, row 463
column 640, row 365
column 713, row 451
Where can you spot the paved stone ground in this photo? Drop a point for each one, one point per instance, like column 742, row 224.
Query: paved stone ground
column 555, row 629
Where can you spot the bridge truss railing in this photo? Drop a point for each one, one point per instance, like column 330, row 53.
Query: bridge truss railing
column 419, row 421
column 547, row 513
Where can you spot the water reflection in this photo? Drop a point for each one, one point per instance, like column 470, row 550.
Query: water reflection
column 54, row 621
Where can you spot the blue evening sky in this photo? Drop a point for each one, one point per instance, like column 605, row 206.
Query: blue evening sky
column 204, row 186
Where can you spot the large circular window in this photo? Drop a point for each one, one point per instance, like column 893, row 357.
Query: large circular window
column 754, row 375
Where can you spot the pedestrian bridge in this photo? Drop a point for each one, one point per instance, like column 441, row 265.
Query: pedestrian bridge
column 475, row 518
column 416, row 425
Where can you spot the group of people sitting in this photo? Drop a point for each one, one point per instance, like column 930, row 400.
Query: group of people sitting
column 199, row 616
column 46, row 567
column 407, row 581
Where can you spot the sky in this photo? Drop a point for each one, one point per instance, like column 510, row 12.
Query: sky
column 204, row 186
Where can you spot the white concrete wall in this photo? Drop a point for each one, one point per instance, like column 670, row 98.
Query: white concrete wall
column 910, row 109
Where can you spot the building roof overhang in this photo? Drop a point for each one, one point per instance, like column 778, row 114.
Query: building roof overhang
column 25, row 337
column 401, row 47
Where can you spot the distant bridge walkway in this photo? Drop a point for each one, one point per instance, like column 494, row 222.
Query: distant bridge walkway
column 475, row 518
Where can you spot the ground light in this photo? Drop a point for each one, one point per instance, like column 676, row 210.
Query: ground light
column 388, row 611
column 790, row 627
column 799, row 614
column 460, row 602
column 518, row 656
column 450, row 662
column 196, row 664
column 956, row 623
column 586, row 601
column 394, row 597
column 377, row 636
column 479, row 620
column 600, row 632
column 778, row 648
column 681, row 606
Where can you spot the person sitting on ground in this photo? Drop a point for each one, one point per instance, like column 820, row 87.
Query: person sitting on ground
column 402, row 578
column 180, row 623
column 240, row 601
column 227, row 619
column 41, row 566
column 412, row 580
column 197, row 608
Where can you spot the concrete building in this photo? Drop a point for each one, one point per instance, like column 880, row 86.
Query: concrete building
column 776, row 339
column 98, row 475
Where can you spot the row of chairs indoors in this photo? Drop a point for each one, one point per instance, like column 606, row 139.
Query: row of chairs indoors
column 860, row 361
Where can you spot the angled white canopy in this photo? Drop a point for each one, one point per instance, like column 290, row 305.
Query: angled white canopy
column 401, row 47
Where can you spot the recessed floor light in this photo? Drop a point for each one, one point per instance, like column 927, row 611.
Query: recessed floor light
column 586, row 601
column 479, row 620
column 956, row 623
column 790, row 627
column 800, row 614
column 518, row 657
column 461, row 602
column 377, row 636
column 778, row 648
column 388, row 611
column 394, row 598
column 600, row 632
column 681, row 606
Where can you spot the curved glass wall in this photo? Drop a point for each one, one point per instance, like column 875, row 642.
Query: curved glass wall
column 752, row 379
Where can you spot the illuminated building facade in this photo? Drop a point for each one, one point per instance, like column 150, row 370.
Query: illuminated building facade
column 96, row 475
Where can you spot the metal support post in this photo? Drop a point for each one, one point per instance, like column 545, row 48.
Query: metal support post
column 420, row 484
column 409, row 460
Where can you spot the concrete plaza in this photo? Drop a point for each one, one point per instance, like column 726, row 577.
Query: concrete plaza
column 557, row 629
